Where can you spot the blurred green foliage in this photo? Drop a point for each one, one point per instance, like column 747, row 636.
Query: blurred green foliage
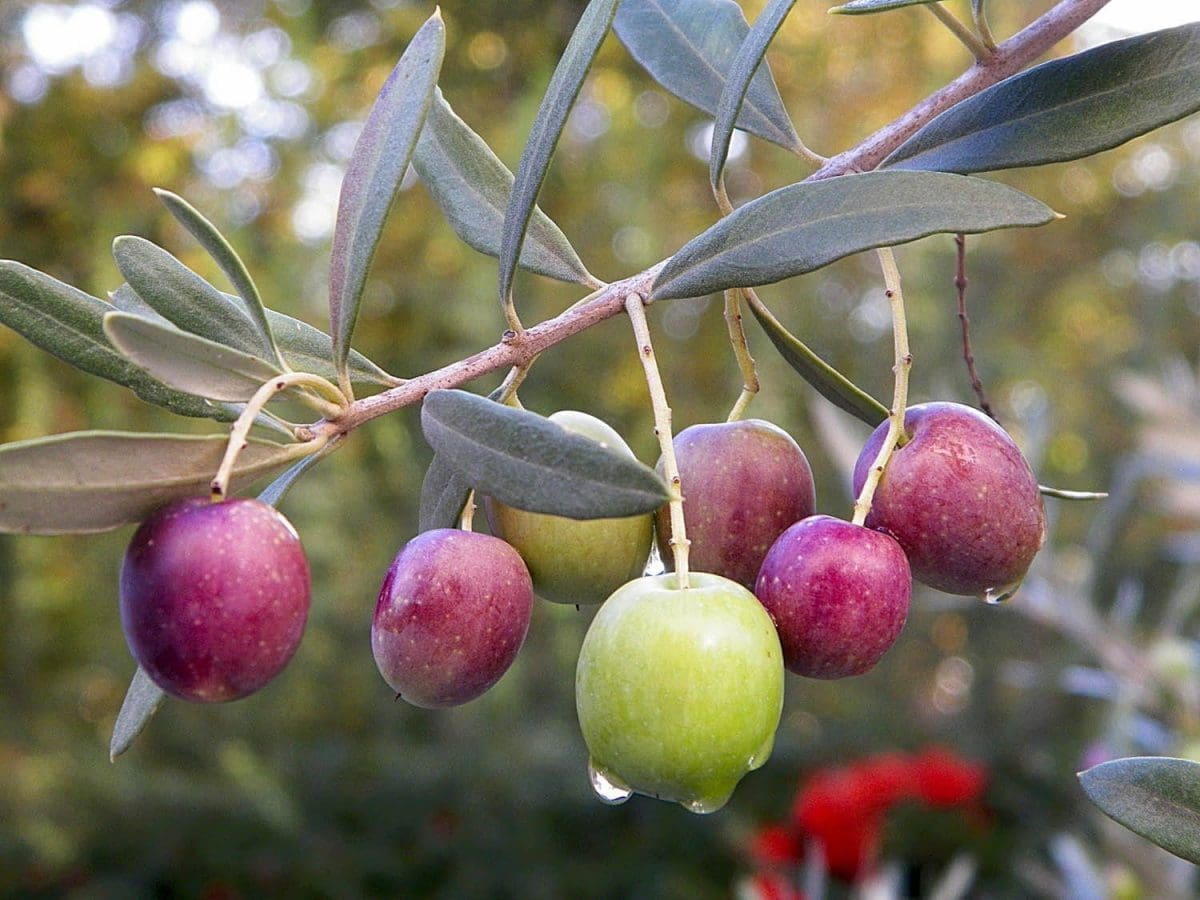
column 321, row 785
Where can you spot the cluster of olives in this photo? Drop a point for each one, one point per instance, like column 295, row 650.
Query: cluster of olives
column 678, row 688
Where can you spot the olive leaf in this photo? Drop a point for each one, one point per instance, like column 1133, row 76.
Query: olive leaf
column 828, row 381
column 688, row 45
column 89, row 481
column 746, row 66
column 184, row 298
column 373, row 175
column 187, row 362
column 804, row 226
column 444, row 493
column 1065, row 109
column 863, row 7
column 304, row 348
column 1156, row 797
column 471, row 186
column 142, row 701
column 526, row 461
column 211, row 239
column 556, row 105
column 69, row 324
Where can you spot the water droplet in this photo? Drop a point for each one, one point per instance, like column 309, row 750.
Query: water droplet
column 994, row 596
column 607, row 786
column 704, row 805
column 762, row 754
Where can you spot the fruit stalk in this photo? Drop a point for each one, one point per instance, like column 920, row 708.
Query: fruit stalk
column 634, row 306
column 267, row 391
column 891, row 280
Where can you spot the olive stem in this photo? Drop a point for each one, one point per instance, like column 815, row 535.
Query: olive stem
column 245, row 421
column 891, row 280
column 635, row 307
column 741, row 351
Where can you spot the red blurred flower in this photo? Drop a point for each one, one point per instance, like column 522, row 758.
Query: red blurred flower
column 776, row 845
column 946, row 780
column 768, row 886
column 844, row 809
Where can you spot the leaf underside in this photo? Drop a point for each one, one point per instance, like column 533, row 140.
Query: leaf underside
column 472, row 186
column 91, row 481
column 688, row 46
column 1156, row 797
column 1065, row 109
column 526, row 461
column 556, row 105
column 804, row 226
column 444, row 493
column 863, row 7
column 187, row 362
column 142, row 701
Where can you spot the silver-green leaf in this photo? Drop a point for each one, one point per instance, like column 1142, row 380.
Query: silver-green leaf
column 69, row 324
column 444, row 493
column 373, row 175
column 828, row 381
column 222, row 252
column 88, row 481
column 472, row 186
column 1065, row 109
column 184, row 298
column 187, row 362
column 1156, row 797
column 688, row 45
column 304, row 348
column 745, row 67
column 802, row 227
column 142, row 701
column 556, row 105
column 527, row 461
column 863, row 7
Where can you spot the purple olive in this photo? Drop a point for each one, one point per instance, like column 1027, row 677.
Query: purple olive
column 214, row 597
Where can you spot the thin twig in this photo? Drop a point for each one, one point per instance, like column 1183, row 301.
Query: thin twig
column 960, row 286
column 969, row 39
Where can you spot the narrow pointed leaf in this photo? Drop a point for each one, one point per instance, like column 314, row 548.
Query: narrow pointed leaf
column 89, row 481
column 180, row 295
column 373, row 176
column 746, row 65
column 552, row 114
column 1156, row 797
column 444, row 492
column 862, row 7
column 142, row 701
column 1065, row 109
column 525, row 460
column 828, row 381
column 69, row 324
column 304, row 348
column 222, row 252
column 187, row 362
column 278, row 488
column 688, row 45
column 472, row 186
column 802, row 227
column 309, row 349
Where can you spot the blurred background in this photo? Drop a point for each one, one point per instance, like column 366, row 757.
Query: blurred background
column 1086, row 334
